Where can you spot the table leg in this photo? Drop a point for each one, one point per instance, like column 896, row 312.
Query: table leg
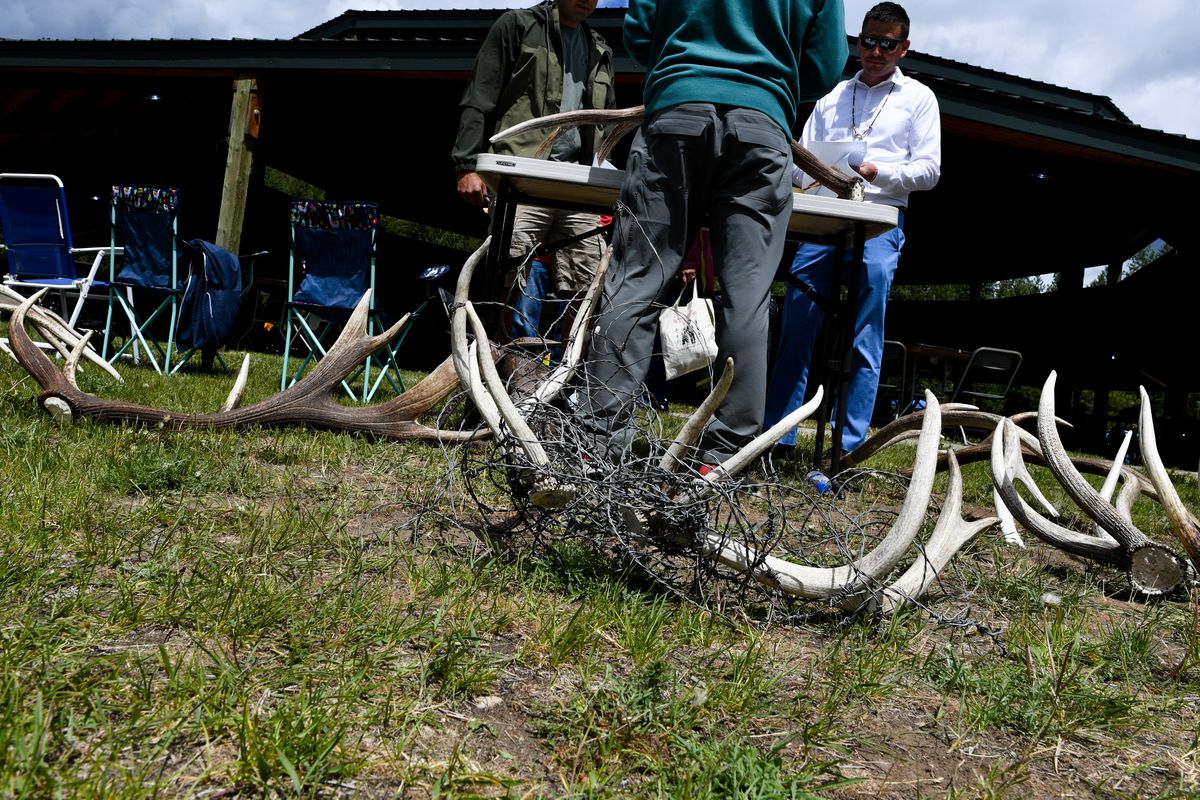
column 504, row 212
column 827, row 370
column 849, row 310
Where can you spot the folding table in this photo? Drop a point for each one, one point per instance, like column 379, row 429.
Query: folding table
column 515, row 181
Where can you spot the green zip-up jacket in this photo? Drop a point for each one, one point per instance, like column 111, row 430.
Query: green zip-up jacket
column 518, row 75
column 768, row 55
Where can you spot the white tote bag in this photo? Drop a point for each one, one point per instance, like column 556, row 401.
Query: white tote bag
column 688, row 333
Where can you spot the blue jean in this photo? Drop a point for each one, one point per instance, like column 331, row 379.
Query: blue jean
column 528, row 306
column 801, row 322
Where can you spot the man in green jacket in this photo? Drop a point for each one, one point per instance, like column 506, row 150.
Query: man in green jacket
column 533, row 62
column 724, row 81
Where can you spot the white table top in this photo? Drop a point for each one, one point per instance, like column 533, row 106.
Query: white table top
column 592, row 188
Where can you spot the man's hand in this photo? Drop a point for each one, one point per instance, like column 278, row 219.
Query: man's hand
column 868, row 170
column 473, row 190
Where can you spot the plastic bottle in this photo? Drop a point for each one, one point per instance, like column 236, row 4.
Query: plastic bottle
column 819, row 481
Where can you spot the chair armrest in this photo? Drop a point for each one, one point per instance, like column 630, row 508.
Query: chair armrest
column 101, row 254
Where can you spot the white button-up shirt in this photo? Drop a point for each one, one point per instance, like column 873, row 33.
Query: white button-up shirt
column 900, row 120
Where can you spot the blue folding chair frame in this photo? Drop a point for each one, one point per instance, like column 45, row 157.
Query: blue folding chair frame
column 147, row 218
column 333, row 250
column 37, row 240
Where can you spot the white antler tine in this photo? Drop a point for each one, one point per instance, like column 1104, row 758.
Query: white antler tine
column 73, row 358
column 1185, row 527
column 239, row 386
column 949, row 536
column 689, row 434
column 764, row 441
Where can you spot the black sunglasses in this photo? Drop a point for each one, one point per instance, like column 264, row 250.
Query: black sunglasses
column 871, row 42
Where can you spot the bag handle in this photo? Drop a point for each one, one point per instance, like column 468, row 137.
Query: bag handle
column 695, row 292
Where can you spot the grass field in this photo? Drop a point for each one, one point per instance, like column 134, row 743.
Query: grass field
column 292, row 613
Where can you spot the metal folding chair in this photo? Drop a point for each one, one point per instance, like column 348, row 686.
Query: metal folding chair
column 986, row 379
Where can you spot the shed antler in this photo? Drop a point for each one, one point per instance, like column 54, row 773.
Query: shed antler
column 856, row 584
column 1153, row 568
column 1185, row 525
column 504, row 417
column 310, row 401
column 54, row 329
column 625, row 120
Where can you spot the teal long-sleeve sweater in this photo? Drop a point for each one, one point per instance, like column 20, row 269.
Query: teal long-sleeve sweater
column 769, row 55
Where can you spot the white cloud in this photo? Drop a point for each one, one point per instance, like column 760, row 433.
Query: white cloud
column 1168, row 103
column 1135, row 54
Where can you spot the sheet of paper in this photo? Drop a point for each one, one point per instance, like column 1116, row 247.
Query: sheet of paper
column 843, row 155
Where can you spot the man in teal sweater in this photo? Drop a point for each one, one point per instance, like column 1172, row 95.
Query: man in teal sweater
column 724, row 80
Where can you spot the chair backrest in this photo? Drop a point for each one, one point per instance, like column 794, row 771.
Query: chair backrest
column 145, row 223
column 333, row 243
column 37, row 233
column 988, row 375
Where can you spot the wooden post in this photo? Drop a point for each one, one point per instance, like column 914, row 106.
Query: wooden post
column 244, row 117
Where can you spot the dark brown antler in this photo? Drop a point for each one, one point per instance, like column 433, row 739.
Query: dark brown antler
column 307, row 402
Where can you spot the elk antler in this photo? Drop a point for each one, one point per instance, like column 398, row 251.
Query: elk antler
column 54, row 329
column 1184, row 523
column 690, row 433
column 948, row 537
column 960, row 414
column 623, row 120
column 505, row 418
column 626, row 120
column 954, row 415
column 1006, row 451
column 310, row 401
column 1152, row 568
column 760, row 444
column 839, row 582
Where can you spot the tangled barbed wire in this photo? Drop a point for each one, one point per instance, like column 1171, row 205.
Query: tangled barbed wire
column 665, row 526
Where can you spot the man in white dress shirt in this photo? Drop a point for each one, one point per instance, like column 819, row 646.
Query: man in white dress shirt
column 898, row 118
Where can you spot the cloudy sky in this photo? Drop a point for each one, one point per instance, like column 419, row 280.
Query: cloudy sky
column 1141, row 53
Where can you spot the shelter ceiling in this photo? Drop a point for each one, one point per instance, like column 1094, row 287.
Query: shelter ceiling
column 1011, row 202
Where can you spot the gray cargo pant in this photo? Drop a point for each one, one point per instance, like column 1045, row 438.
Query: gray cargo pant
column 691, row 165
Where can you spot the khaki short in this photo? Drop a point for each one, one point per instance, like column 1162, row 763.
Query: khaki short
column 574, row 265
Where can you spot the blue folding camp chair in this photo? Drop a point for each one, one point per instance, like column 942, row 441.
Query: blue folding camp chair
column 143, row 239
column 37, row 241
column 333, row 251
